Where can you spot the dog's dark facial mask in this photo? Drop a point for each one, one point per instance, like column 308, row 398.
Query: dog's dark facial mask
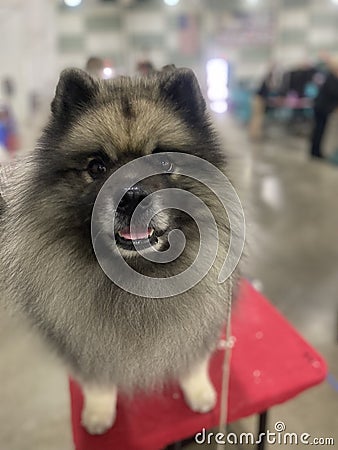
column 133, row 214
column 96, row 127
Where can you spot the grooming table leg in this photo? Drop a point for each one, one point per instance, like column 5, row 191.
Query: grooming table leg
column 262, row 422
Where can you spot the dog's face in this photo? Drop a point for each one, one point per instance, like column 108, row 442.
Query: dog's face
column 96, row 128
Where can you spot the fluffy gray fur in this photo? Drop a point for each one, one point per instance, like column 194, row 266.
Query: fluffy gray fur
column 47, row 265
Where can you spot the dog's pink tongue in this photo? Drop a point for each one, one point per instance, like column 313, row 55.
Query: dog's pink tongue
column 137, row 234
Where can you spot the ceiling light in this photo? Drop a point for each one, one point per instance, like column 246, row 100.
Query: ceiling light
column 72, row 3
column 171, row 2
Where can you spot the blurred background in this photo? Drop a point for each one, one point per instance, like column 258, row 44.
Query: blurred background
column 269, row 72
column 253, row 39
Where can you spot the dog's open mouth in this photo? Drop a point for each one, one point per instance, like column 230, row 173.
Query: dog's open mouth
column 141, row 238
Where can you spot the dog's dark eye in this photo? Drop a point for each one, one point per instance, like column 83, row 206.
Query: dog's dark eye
column 96, row 168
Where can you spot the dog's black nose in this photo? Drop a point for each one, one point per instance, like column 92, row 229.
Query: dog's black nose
column 131, row 199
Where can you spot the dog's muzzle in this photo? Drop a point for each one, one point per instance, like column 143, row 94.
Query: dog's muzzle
column 142, row 234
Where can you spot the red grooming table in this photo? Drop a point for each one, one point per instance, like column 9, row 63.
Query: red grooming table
column 270, row 364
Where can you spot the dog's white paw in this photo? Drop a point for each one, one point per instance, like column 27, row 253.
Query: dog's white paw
column 97, row 420
column 200, row 397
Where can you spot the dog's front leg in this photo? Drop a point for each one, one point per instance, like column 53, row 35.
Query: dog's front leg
column 197, row 388
column 99, row 408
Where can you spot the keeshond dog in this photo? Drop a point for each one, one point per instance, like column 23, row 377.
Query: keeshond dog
column 112, row 339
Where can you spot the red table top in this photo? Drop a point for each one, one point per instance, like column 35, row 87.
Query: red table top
column 270, row 364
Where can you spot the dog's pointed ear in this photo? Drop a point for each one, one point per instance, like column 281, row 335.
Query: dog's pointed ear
column 74, row 91
column 181, row 87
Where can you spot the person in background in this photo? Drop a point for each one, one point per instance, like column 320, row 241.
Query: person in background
column 4, row 154
column 6, row 129
column 95, row 66
column 145, row 68
column 9, row 138
column 325, row 103
column 269, row 86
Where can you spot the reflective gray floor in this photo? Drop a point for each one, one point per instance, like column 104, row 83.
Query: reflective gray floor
column 292, row 251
